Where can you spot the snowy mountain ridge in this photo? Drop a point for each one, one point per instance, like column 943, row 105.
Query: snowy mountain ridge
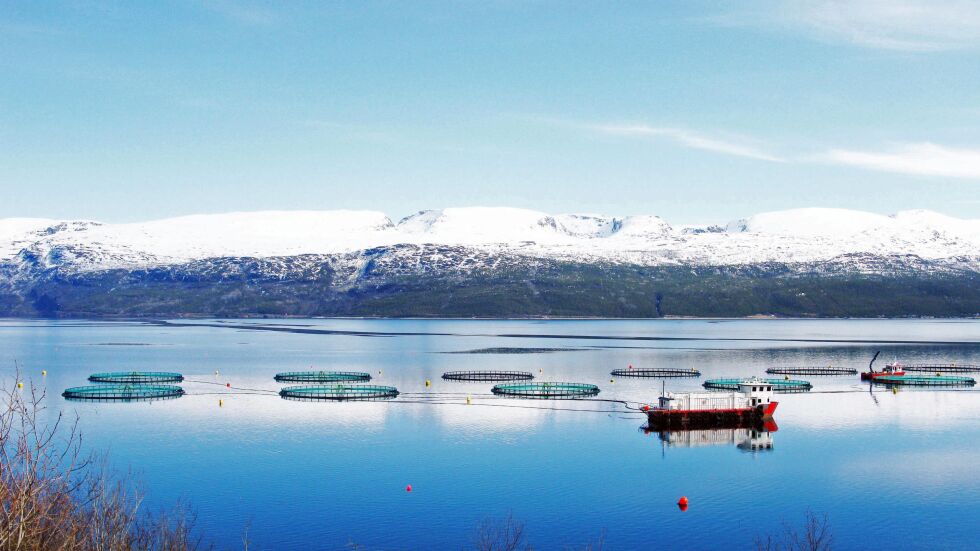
column 790, row 236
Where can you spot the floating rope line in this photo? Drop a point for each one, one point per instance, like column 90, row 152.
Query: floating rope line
column 657, row 372
column 828, row 370
column 487, row 376
column 136, row 377
column 322, row 377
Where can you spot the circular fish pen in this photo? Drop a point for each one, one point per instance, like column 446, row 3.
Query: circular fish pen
column 943, row 368
column 487, row 376
column 658, row 372
column 916, row 380
column 338, row 393
column 546, row 390
column 828, row 370
column 122, row 393
column 778, row 385
column 136, row 377
column 322, row 377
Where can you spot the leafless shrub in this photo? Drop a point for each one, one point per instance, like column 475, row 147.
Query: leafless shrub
column 814, row 536
column 54, row 497
column 501, row 535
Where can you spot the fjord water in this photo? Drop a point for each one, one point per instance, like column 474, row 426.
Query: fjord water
column 891, row 470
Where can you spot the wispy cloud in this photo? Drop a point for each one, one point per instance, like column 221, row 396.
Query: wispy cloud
column 906, row 25
column 927, row 159
column 688, row 138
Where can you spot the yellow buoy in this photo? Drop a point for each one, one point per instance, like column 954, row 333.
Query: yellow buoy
column 611, row 381
column 221, row 403
column 894, row 390
column 468, row 401
column 20, row 385
column 428, row 383
column 44, row 372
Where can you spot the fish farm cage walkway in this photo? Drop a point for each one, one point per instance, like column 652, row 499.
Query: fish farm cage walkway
column 939, row 368
column 487, row 376
column 136, row 377
column 322, row 377
column 546, row 390
column 778, row 385
column 811, row 371
column 655, row 372
column 122, row 393
column 339, row 393
column 915, row 380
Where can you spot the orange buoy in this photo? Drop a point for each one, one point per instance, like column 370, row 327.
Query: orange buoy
column 408, row 488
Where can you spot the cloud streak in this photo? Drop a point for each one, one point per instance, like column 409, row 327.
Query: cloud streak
column 688, row 138
column 902, row 25
column 924, row 159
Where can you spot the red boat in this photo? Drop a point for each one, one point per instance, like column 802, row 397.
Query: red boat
column 891, row 370
column 751, row 404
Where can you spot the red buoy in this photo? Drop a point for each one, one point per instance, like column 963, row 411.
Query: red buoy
column 228, row 385
column 682, row 503
column 631, row 366
column 408, row 488
column 645, row 408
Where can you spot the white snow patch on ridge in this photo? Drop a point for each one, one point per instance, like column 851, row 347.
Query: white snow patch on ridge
column 800, row 235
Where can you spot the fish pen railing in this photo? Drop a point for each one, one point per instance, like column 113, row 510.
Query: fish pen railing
column 658, row 372
column 546, row 390
column 778, row 385
column 487, row 376
column 914, row 380
column 940, row 368
column 812, row 370
column 136, row 377
column 338, row 393
column 122, row 393
column 322, row 377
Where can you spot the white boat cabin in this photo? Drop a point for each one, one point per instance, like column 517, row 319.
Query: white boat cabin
column 751, row 393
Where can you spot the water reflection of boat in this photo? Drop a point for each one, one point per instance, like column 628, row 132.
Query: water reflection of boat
column 748, row 438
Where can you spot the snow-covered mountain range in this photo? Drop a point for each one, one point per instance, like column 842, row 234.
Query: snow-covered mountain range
column 791, row 236
column 493, row 262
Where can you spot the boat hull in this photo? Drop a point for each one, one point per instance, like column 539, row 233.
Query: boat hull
column 710, row 418
column 871, row 375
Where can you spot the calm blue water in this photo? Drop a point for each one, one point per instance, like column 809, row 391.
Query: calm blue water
column 891, row 470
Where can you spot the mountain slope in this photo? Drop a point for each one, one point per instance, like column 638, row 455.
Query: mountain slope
column 493, row 261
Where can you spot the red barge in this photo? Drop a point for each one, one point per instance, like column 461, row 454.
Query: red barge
column 750, row 405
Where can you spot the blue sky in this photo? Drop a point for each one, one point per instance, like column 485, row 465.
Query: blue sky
column 696, row 111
